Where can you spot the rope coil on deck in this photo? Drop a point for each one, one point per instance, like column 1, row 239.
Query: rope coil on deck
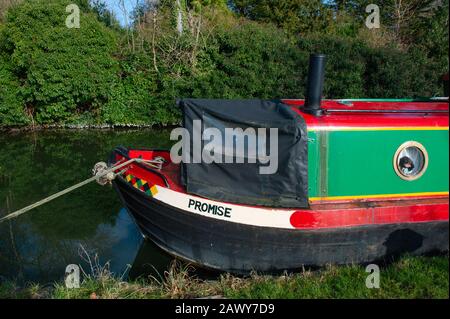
column 102, row 175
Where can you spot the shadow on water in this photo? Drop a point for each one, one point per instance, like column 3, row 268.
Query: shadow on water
column 153, row 261
column 39, row 245
column 149, row 261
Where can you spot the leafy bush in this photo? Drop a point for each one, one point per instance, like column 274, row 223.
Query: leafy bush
column 345, row 64
column 353, row 69
column 62, row 71
column 248, row 61
column 11, row 103
column 134, row 99
column 102, row 73
column 394, row 74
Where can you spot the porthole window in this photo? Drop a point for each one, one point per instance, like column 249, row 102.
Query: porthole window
column 410, row 160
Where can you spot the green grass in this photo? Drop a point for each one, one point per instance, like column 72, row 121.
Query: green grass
column 409, row 277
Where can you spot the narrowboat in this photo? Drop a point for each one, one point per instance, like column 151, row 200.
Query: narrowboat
column 277, row 185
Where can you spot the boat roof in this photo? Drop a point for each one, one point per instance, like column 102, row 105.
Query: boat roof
column 418, row 105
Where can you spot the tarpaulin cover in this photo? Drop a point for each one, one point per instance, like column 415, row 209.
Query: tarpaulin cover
column 239, row 182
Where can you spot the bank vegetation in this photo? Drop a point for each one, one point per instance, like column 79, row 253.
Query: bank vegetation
column 111, row 73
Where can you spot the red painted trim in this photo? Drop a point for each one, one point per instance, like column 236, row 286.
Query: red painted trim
column 376, row 105
column 149, row 154
column 373, row 120
column 170, row 171
column 368, row 120
column 306, row 219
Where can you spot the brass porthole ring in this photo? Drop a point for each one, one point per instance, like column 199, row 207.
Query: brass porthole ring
column 410, row 160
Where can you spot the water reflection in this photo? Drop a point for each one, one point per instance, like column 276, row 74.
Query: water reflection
column 39, row 245
column 150, row 261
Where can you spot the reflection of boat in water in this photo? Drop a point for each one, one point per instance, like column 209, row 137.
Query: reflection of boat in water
column 357, row 180
column 150, row 261
column 153, row 261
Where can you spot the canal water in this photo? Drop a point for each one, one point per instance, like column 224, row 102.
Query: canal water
column 90, row 221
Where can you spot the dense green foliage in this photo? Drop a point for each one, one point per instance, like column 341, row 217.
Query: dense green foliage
column 355, row 69
column 409, row 277
column 62, row 71
column 12, row 110
column 248, row 60
column 105, row 73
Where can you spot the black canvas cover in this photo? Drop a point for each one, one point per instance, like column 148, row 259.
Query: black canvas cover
column 239, row 182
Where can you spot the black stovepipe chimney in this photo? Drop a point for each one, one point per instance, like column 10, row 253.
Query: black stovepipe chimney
column 314, row 89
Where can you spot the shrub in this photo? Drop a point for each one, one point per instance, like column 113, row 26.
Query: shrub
column 11, row 104
column 248, row 61
column 345, row 64
column 137, row 98
column 62, row 71
column 394, row 74
column 100, row 73
column 353, row 69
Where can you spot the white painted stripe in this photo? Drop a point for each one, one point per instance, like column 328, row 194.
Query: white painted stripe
column 256, row 216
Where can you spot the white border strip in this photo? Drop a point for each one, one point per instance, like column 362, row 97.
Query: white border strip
column 256, row 216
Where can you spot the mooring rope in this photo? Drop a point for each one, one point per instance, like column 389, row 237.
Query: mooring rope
column 99, row 171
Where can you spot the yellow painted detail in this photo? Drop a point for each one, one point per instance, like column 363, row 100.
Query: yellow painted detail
column 154, row 190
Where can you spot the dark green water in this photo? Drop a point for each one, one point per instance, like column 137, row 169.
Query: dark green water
column 39, row 245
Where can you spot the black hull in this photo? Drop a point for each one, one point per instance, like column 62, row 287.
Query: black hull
column 241, row 248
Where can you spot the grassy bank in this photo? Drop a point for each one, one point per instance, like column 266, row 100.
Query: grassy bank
column 409, row 277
